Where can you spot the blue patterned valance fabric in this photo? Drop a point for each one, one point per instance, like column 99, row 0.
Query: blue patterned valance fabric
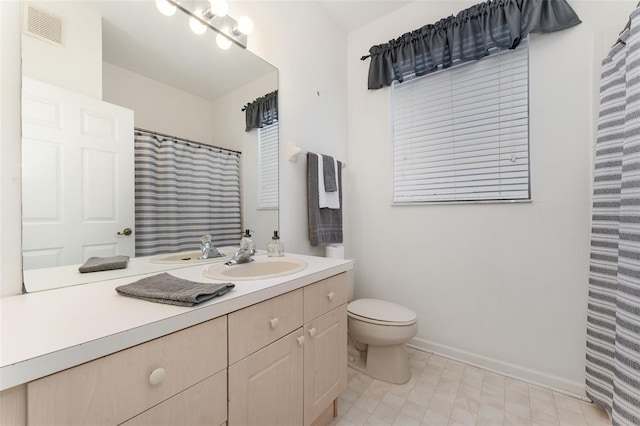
column 468, row 36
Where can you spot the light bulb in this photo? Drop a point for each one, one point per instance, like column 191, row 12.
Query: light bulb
column 245, row 25
column 166, row 8
column 223, row 42
column 197, row 26
column 219, row 7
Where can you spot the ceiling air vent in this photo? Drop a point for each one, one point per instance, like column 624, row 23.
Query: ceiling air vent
column 43, row 25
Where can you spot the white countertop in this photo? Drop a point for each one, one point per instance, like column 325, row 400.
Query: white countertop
column 46, row 332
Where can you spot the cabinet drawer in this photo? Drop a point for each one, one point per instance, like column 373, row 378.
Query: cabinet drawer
column 325, row 295
column 117, row 387
column 256, row 326
column 202, row 404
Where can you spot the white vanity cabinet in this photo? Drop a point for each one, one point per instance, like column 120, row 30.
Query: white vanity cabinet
column 118, row 387
column 289, row 380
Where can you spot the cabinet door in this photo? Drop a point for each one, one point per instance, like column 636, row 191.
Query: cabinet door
column 13, row 406
column 325, row 361
column 265, row 388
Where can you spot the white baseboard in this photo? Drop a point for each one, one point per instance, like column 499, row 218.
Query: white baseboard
column 555, row 383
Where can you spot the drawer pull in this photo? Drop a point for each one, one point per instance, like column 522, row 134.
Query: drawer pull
column 157, row 376
column 331, row 296
column 301, row 340
column 274, row 322
column 312, row 332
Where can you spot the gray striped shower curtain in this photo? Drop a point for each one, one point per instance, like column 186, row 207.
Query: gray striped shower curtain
column 613, row 316
column 184, row 190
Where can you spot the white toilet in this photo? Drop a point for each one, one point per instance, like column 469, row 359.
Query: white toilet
column 378, row 332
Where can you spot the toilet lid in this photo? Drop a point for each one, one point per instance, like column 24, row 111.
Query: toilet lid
column 381, row 311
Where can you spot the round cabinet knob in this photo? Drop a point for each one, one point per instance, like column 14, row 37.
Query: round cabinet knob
column 331, row 296
column 312, row 332
column 157, row 376
column 274, row 322
column 301, row 340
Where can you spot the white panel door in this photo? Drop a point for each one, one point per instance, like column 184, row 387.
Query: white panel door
column 77, row 178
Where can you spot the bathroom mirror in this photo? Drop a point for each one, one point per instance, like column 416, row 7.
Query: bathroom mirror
column 175, row 82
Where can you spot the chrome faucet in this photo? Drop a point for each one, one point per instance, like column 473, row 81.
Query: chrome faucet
column 244, row 255
column 207, row 248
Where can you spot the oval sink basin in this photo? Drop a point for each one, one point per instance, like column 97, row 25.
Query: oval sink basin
column 192, row 256
column 260, row 268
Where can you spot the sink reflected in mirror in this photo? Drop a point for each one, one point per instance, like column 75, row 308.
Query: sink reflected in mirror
column 261, row 268
column 193, row 256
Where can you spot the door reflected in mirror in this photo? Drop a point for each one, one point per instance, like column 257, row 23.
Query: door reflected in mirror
column 120, row 65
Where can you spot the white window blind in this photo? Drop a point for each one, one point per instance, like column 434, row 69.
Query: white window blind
column 462, row 134
column 268, row 167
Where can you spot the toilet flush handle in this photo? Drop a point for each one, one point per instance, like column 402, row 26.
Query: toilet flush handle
column 331, row 295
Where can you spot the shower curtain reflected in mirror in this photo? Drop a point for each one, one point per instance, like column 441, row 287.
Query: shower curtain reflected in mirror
column 184, row 190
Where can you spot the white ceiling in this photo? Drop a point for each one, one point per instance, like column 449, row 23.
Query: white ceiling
column 353, row 14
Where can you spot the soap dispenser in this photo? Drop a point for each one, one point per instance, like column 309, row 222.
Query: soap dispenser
column 276, row 247
column 246, row 242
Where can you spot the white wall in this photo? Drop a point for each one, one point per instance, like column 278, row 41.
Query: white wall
column 77, row 65
column 10, row 171
column 309, row 50
column 500, row 285
column 158, row 106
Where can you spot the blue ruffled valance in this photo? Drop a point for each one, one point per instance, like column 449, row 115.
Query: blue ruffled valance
column 261, row 112
column 467, row 36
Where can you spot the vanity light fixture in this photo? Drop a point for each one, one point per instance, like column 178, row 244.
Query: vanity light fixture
column 213, row 14
column 219, row 7
column 245, row 26
column 166, row 8
column 196, row 26
column 223, row 42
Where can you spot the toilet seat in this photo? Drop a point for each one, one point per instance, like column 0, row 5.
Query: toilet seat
column 381, row 312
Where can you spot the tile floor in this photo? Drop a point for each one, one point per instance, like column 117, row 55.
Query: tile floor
column 446, row 392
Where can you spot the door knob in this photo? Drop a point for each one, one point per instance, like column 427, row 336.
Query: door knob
column 125, row 231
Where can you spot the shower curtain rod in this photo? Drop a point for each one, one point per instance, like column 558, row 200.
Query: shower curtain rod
column 187, row 141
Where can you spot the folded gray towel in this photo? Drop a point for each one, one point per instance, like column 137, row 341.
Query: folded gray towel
column 329, row 172
column 325, row 225
column 95, row 264
column 165, row 288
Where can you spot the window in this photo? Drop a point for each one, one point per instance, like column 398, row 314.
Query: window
column 268, row 167
column 462, row 134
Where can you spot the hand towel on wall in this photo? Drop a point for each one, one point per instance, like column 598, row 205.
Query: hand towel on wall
column 325, row 225
column 328, row 200
column 330, row 175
